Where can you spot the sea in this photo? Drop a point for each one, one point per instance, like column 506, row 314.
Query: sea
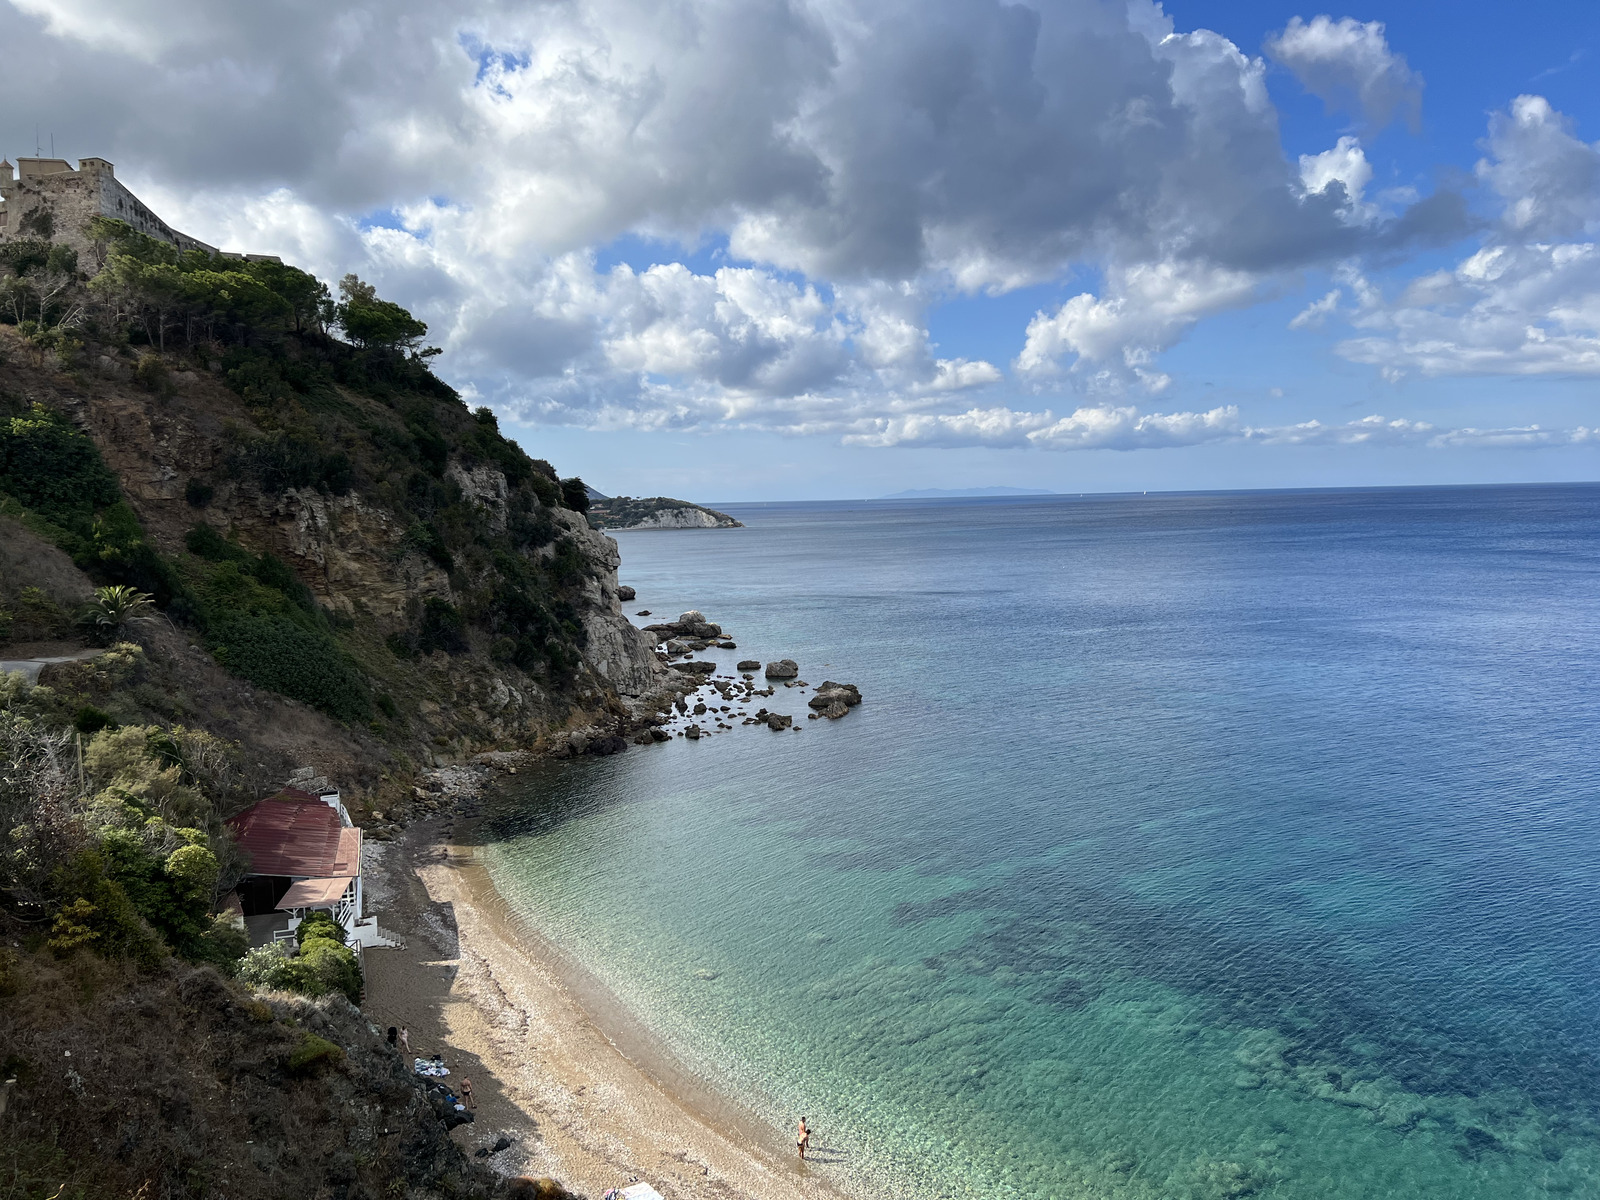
column 1185, row 846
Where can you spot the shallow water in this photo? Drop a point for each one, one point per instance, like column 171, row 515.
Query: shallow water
column 1185, row 846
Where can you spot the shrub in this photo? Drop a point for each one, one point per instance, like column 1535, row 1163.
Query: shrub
column 267, row 968
column 325, row 966
column 151, row 374
column 197, row 493
column 274, row 652
column 313, row 1053
column 441, row 628
column 318, row 924
column 90, row 719
column 575, row 495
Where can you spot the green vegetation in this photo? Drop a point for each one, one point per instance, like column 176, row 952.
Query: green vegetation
column 124, row 856
column 364, row 415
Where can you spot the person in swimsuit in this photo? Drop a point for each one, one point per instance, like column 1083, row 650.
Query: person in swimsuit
column 466, row 1091
column 802, row 1139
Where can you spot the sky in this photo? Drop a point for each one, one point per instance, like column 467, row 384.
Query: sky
column 805, row 249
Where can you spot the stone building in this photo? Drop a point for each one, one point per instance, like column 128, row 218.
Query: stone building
column 45, row 198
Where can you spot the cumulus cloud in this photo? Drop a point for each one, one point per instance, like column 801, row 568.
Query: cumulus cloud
column 1548, row 178
column 852, row 162
column 1348, row 64
column 1144, row 310
column 1524, row 303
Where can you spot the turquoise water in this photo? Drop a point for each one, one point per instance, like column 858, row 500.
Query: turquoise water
column 1185, row 846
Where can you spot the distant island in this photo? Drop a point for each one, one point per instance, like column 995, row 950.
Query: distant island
column 655, row 512
column 952, row 493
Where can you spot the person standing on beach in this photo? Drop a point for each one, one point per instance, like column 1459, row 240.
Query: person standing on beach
column 405, row 1040
column 466, row 1091
column 802, row 1139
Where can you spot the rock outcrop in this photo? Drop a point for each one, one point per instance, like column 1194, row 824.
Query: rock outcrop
column 657, row 512
column 784, row 668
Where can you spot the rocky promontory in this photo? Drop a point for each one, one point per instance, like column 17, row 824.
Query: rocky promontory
column 657, row 512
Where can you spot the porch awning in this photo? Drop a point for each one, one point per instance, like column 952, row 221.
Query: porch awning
column 316, row 893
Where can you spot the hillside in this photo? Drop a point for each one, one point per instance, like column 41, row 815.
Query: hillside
column 656, row 512
column 323, row 520
column 253, row 531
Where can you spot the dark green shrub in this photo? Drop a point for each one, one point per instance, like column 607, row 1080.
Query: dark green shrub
column 425, row 539
column 210, row 545
column 197, row 493
column 90, row 719
column 575, row 495
column 441, row 628
column 275, row 653
column 387, row 706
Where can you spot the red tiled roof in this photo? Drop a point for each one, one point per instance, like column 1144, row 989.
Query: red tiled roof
column 295, row 834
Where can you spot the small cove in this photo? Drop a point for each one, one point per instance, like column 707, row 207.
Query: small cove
column 1184, row 846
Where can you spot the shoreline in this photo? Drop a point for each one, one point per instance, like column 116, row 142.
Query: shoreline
column 560, row 1067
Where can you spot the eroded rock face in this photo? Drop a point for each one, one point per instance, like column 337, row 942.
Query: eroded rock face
column 784, row 668
column 353, row 554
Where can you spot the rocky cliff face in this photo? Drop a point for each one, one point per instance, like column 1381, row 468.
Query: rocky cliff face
column 176, row 452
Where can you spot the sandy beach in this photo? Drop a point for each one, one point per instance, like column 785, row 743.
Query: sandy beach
column 557, row 1065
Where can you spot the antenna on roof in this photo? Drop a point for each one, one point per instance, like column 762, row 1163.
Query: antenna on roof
column 38, row 150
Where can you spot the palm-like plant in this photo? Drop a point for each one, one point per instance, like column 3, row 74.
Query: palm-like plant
column 116, row 606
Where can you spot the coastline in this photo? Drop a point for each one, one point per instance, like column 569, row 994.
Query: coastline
column 559, row 1066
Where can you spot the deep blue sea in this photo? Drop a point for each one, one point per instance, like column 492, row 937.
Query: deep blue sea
column 1185, row 846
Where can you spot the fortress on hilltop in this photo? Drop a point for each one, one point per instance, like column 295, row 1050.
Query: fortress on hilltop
column 46, row 199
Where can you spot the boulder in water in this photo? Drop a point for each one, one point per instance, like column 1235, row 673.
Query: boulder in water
column 624, row 592
column 784, row 668
column 779, row 721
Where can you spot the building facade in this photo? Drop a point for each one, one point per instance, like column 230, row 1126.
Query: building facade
column 46, row 199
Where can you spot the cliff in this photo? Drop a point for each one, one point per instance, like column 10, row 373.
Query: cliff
column 657, row 512
column 353, row 568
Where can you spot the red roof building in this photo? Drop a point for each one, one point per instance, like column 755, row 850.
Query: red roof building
column 296, row 835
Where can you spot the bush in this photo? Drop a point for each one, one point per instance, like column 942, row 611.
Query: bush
column 152, row 375
column 313, row 1053
column 575, row 495
column 90, row 719
column 275, row 653
column 197, row 493
column 318, row 924
column 326, row 966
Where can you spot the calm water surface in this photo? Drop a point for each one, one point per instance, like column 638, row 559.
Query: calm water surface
column 1185, row 846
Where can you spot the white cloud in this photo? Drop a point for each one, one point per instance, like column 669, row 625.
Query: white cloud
column 861, row 160
column 1124, row 427
column 1349, row 64
column 1313, row 315
column 1548, row 179
column 1146, row 308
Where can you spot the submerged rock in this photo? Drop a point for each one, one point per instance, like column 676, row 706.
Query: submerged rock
column 608, row 744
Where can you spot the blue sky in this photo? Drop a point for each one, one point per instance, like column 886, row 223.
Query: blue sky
column 774, row 249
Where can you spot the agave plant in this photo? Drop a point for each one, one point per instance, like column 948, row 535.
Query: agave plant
column 116, row 606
